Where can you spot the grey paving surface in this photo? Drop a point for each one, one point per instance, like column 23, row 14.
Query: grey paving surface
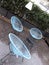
column 39, row 51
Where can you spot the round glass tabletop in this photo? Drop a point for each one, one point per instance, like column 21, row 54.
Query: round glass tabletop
column 16, row 24
column 18, row 47
column 36, row 33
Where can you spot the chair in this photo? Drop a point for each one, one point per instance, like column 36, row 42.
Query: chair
column 18, row 47
column 36, row 33
column 16, row 24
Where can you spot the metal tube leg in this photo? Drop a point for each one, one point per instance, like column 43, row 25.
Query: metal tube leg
column 22, row 59
column 3, row 59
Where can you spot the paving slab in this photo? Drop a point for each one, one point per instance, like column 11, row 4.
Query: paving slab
column 39, row 51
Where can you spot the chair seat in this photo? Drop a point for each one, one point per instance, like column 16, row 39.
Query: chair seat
column 18, row 47
column 36, row 33
column 16, row 24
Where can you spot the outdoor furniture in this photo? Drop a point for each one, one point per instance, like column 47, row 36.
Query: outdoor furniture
column 18, row 47
column 36, row 33
column 16, row 24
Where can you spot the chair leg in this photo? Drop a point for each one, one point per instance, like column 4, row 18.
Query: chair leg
column 22, row 59
column 3, row 59
column 1, row 62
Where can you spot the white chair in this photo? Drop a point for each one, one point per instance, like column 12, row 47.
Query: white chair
column 16, row 24
column 36, row 33
column 18, row 47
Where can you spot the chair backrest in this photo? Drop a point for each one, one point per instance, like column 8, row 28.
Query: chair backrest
column 36, row 33
column 16, row 24
column 18, row 47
